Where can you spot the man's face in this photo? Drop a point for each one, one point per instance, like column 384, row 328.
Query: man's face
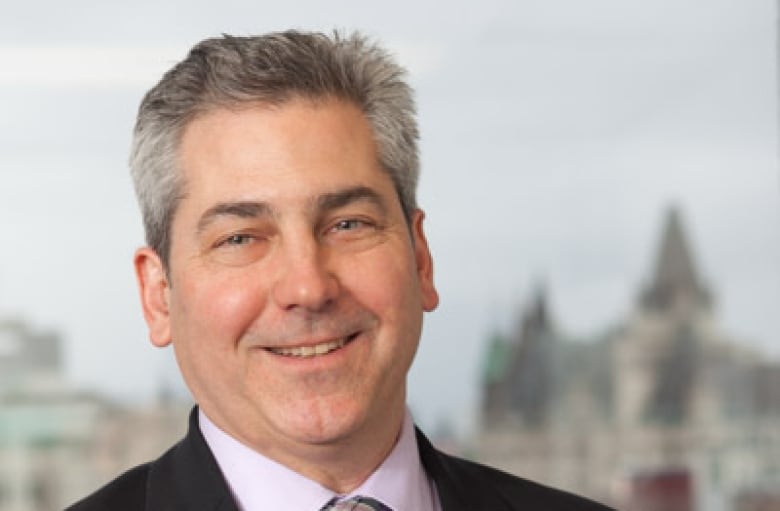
column 296, row 288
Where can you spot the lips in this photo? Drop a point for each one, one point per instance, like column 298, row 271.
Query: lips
column 314, row 350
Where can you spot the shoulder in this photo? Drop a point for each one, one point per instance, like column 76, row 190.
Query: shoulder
column 186, row 476
column 125, row 493
column 464, row 484
column 517, row 492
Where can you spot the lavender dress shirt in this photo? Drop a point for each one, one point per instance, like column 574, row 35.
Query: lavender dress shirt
column 258, row 483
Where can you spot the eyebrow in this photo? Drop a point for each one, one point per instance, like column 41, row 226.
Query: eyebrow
column 341, row 198
column 240, row 209
column 325, row 202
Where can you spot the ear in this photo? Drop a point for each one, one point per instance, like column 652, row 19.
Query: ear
column 422, row 256
column 154, row 290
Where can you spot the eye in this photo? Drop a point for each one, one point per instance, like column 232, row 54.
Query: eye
column 235, row 240
column 239, row 248
column 349, row 224
column 352, row 227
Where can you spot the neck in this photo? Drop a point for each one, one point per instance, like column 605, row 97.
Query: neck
column 343, row 468
column 340, row 464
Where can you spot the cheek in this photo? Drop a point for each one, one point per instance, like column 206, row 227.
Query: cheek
column 378, row 281
column 386, row 284
column 220, row 307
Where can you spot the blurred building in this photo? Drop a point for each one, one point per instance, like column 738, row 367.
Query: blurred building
column 665, row 412
column 58, row 444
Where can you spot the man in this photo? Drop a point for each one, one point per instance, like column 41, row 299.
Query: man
column 288, row 267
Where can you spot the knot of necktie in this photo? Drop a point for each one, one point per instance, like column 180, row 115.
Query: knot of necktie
column 355, row 504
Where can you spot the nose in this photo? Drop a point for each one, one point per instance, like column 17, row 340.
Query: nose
column 304, row 281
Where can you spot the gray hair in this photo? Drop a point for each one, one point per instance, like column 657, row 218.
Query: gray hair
column 229, row 71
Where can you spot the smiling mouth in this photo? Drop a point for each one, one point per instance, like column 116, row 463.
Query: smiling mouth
column 315, row 350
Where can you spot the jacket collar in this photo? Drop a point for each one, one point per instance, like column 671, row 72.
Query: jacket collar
column 187, row 477
column 457, row 483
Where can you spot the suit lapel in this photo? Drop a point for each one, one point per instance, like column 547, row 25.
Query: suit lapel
column 187, row 477
column 458, row 484
column 451, row 497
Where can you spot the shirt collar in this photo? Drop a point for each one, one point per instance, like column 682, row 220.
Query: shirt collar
column 258, row 482
column 400, row 482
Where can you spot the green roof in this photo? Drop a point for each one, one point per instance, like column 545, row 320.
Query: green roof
column 496, row 361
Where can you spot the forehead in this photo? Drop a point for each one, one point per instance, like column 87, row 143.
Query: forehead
column 277, row 150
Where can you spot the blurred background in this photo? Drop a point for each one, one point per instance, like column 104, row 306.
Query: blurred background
column 601, row 187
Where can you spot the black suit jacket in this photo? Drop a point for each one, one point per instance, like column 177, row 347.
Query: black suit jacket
column 187, row 478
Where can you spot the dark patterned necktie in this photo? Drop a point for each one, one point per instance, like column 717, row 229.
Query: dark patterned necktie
column 355, row 504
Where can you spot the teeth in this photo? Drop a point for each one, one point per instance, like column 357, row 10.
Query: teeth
column 310, row 351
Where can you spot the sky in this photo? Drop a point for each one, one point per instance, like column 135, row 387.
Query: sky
column 555, row 134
